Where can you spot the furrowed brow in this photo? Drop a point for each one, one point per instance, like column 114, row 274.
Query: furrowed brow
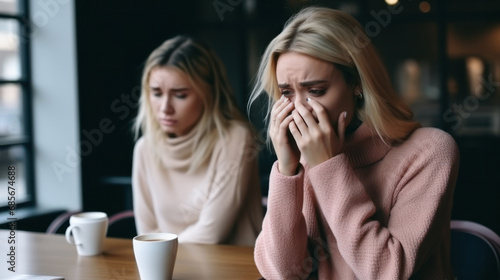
column 311, row 83
column 283, row 85
column 179, row 89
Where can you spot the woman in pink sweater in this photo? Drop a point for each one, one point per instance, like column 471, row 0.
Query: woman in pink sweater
column 195, row 167
column 359, row 190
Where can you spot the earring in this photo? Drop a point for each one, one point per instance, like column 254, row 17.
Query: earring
column 359, row 95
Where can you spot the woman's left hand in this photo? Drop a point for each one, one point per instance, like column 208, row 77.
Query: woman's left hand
column 317, row 140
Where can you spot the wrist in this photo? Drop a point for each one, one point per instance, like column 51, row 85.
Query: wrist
column 288, row 171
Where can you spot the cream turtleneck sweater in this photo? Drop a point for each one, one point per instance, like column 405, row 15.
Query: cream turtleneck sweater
column 371, row 212
column 219, row 203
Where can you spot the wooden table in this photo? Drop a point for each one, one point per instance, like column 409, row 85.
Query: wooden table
column 49, row 254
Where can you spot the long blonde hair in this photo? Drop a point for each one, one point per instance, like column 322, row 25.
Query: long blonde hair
column 208, row 77
column 336, row 37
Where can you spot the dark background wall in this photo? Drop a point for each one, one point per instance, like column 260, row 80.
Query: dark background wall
column 115, row 37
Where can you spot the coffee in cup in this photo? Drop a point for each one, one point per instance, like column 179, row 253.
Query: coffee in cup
column 155, row 255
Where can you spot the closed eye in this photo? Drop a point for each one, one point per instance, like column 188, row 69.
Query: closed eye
column 156, row 93
column 286, row 92
column 180, row 95
column 317, row 92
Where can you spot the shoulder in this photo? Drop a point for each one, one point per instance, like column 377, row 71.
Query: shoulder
column 140, row 144
column 238, row 130
column 239, row 127
column 140, row 147
column 430, row 142
column 239, row 139
column 435, row 138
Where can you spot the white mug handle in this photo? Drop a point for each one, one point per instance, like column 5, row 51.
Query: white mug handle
column 69, row 237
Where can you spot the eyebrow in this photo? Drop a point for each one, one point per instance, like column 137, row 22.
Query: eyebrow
column 179, row 89
column 311, row 83
column 304, row 84
column 172, row 90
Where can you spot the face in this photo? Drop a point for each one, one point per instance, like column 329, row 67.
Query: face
column 301, row 76
column 175, row 103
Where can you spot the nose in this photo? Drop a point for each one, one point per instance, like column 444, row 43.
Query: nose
column 166, row 105
column 302, row 99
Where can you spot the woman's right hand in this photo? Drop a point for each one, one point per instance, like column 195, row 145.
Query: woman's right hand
column 284, row 145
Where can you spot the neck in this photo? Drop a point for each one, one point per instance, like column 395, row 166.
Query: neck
column 364, row 147
column 353, row 125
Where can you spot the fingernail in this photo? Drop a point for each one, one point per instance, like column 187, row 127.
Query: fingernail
column 345, row 115
column 308, row 99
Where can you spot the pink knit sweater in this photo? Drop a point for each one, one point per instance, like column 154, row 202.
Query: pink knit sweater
column 371, row 212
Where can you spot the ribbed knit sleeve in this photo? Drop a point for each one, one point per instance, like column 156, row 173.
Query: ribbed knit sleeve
column 142, row 200
column 282, row 245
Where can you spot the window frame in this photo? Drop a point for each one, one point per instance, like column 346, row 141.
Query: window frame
column 26, row 140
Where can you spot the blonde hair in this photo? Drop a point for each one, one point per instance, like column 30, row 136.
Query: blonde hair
column 208, row 77
column 336, row 37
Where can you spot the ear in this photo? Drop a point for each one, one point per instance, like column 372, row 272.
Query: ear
column 358, row 96
column 357, row 89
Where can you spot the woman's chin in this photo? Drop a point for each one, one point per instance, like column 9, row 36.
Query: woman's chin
column 171, row 133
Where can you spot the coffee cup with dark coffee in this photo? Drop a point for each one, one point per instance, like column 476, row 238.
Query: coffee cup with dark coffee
column 155, row 255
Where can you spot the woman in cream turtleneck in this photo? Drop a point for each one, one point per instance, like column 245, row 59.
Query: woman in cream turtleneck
column 195, row 166
column 359, row 190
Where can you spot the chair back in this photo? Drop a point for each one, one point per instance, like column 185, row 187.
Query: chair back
column 475, row 251
column 122, row 225
column 60, row 223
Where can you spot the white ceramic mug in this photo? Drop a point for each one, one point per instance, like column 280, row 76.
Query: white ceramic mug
column 87, row 231
column 155, row 255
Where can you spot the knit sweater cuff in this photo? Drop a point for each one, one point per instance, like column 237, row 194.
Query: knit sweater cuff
column 334, row 164
column 285, row 187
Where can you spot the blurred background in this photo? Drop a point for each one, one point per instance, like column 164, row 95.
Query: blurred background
column 70, row 76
